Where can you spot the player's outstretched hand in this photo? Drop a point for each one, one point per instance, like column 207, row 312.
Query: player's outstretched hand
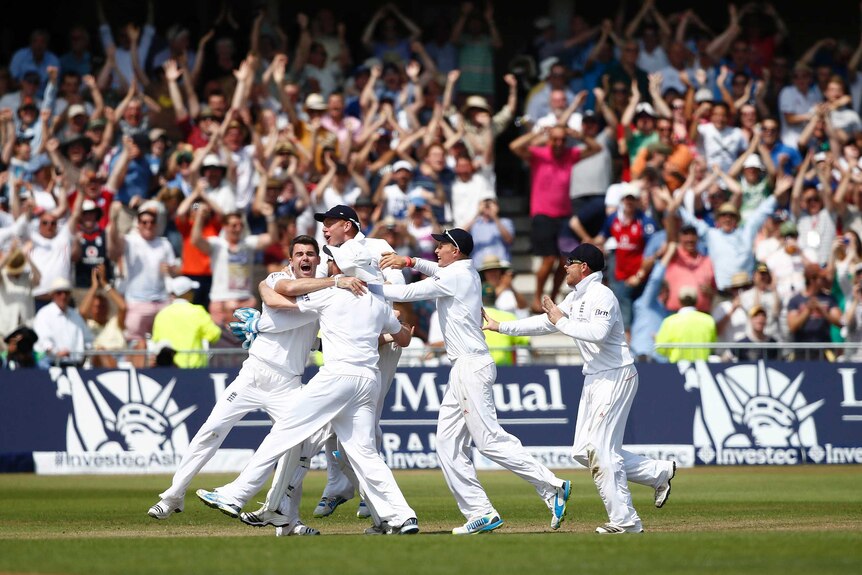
column 554, row 313
column 355, row 285
column 393, row 260
column 489, row 323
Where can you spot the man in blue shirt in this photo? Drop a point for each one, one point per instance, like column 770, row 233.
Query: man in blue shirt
column 36, row 57
column 783, row 156
column 650, row 309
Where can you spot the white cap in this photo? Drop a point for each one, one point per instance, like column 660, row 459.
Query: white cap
column 753, row 161
column 545, row 67
column 703, row 95
column 315, row 102
column 402, row 165
column 629, row 190
column 212, row 161
column 61, row 284
column 181, row 284
column 354, row 260
column 820, row 157
column 645, row 108
column 76, row 110
column 89, row 206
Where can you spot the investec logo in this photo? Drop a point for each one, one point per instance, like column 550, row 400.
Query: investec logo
column 751, row 414
column 425, row 394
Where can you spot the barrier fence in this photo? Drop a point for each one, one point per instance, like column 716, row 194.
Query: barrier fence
column 70, row 420
column 544, row 355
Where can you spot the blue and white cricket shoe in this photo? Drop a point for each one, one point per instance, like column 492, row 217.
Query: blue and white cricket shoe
column 217, row 501
column 327, row 505
column 484, row 524
column 559, row 503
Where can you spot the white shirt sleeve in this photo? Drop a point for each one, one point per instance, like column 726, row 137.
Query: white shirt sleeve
column 284, row 320
column 425, row 267
column 536, row 325
column 429, row 288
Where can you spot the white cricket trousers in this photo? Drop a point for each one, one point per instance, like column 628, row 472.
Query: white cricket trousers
column 256, row 386
column 602, row 413
column 285, row 495
column 338, row 484
column 348, row 403
column 468, row 416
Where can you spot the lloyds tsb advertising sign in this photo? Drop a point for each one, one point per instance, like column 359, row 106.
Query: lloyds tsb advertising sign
column 127, row 421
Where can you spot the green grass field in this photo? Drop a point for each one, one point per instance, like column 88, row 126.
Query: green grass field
column 730, row 520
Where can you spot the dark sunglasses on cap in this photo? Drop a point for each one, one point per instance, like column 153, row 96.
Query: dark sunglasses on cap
column 573, row 262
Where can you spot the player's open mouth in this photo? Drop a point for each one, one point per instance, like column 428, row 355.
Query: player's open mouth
column 305, row 267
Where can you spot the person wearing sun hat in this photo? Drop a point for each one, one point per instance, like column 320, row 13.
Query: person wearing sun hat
column 730, row 246
column 18, row 277
column 63, row 334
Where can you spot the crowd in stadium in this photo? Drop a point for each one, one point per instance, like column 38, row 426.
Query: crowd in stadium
column 144, row 169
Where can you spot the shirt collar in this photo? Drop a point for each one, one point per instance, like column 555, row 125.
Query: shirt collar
column 687, row 309
column 585, row 283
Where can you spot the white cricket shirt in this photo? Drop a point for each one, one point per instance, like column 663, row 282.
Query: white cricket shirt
column 458, row 291
column 594, row 321
column 349, row 328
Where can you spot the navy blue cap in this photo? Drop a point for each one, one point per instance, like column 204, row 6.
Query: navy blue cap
column 458, row 238
column 340, row 212
column 590, row 255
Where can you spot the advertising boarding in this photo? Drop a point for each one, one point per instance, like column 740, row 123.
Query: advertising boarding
column 71, row 421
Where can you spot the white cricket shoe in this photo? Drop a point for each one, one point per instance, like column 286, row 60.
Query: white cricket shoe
column 409, row 527
column 611, row 529
column 218, row 501
column 327, row 505
column 363, row 511
column 662, row 492
column 263, row 517
column 300, row 529
column 484, row 524
column 165, row 508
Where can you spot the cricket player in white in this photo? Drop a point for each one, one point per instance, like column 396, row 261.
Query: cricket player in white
column 340, row 223
column 344, row 393
column 467, row 412
column 590, row 314
column 273, row 369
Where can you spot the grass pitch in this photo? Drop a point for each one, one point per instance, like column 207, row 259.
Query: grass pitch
column 718, row 520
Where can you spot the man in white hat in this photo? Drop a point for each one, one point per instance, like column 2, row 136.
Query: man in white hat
column 18, row 276
column 216, row 187
column 63, row 334
column 344, row 393
column 758, row 176
column 185, row 326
